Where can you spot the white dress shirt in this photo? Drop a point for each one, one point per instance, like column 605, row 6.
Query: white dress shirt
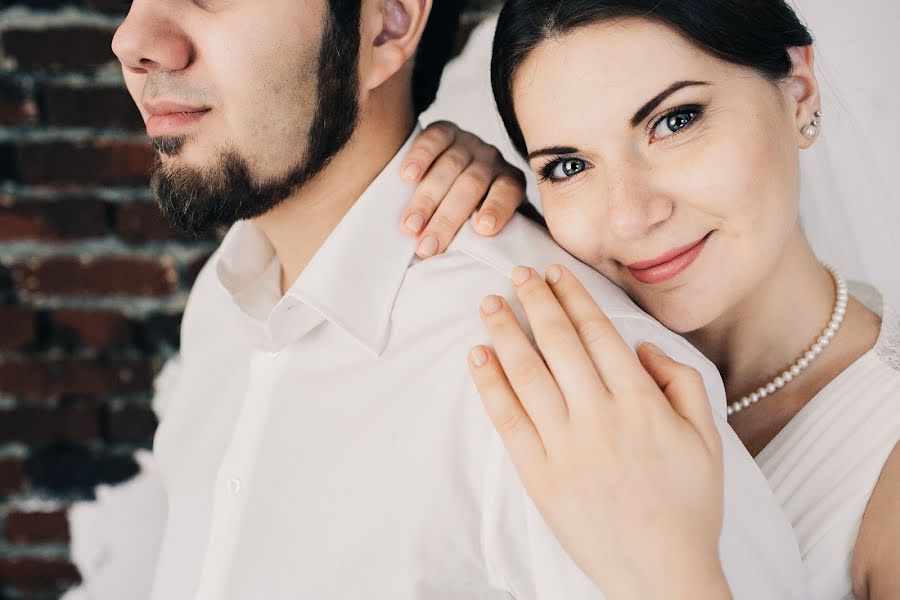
column 329, row 443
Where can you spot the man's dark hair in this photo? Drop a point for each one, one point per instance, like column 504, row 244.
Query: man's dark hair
column 434, row 51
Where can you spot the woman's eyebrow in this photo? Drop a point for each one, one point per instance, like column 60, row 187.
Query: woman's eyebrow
column 552, row 151
column 650, row 106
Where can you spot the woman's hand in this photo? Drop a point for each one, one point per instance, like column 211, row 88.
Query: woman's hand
column 455, row 171
column 619, row 452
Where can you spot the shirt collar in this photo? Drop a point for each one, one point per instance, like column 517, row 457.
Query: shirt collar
column 352, row 281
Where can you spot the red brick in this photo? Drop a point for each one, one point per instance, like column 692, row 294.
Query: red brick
column 37, row 527
column 71, row 47
column 16, row 107
column 105, row 276
column 12, row 476
column 132, row 424
column 53, row 220
column 140, row 222
column 32, row 425
column 37, row 378
column 18, row 327
column 35, row 574
column 89, row 328
column 66, row 105
column 96, row 161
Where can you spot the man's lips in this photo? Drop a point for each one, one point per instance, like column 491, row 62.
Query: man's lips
column 170, row 118
column 668, row 265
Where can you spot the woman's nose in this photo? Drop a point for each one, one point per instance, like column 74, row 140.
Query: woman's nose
column 634, row 206
column 149, row 39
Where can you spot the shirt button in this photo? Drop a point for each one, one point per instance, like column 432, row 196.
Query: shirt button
column 235, row 486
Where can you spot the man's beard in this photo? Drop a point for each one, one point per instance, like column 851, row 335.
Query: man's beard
column 197, row 201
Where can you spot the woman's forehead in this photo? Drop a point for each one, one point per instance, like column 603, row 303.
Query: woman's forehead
column 606, row 71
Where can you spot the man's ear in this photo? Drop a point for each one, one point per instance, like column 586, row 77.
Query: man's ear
column 802, row 89
column 390, row 31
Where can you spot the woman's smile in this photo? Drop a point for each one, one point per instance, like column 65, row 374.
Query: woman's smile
column 670, row 264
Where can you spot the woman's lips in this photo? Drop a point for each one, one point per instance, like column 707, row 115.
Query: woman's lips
column 668, row 265
column 172, row 123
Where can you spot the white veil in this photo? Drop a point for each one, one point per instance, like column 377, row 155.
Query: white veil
column 848, row 210
column 850, row 206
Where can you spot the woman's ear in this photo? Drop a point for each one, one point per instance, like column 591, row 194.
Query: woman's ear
column 802, row 90
column 390, row 32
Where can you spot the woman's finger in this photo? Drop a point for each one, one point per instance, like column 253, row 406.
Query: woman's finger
column 505, row 195
column 619, row 368
column 432, row 190
column 558, row 342
column 455, row 208
column 684, row 388
column 507, row 414
column 426, row 148
column 525, row 370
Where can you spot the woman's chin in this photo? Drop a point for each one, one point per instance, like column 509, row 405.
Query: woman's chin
column 680, row 315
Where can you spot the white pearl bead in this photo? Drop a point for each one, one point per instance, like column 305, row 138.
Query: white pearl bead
column 837, row 317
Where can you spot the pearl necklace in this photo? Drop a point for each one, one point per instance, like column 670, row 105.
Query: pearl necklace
column 791, row 373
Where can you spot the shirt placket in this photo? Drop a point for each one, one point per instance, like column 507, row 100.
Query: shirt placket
column 234, row 479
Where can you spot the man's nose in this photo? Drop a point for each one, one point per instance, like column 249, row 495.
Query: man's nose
column 149, row 39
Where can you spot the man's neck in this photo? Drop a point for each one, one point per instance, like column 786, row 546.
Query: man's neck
column 299, row 226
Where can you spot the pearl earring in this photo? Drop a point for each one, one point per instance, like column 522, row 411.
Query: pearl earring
column 813, row 128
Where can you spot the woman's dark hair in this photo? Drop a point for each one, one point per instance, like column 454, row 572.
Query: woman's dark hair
column 752, row 33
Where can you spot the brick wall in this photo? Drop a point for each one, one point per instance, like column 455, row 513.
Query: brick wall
column 92, row 280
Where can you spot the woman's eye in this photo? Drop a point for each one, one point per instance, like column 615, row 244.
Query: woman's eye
column 567, row 168
column 674, row 122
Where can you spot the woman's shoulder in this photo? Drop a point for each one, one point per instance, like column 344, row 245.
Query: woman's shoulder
column 887, row 346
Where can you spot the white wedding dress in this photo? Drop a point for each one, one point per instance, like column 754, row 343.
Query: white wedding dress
column 825, row 463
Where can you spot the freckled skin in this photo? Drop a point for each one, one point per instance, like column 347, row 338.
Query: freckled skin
column 735, row 169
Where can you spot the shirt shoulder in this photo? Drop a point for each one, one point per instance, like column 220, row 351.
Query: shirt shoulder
column 524, row 242
column 208, row 312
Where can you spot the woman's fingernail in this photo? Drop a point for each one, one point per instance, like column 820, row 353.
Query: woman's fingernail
column 490, row 305
column 486, row 223
column 414, row 222
column 428, row 246
column 520, row 275
column 554, row 273
column 479, row 356
column 411, row 172
column 653, row 349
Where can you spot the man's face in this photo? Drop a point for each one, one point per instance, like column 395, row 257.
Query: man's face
column 237, row 100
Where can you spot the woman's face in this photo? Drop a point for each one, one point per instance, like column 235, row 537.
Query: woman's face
column 673, row 173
